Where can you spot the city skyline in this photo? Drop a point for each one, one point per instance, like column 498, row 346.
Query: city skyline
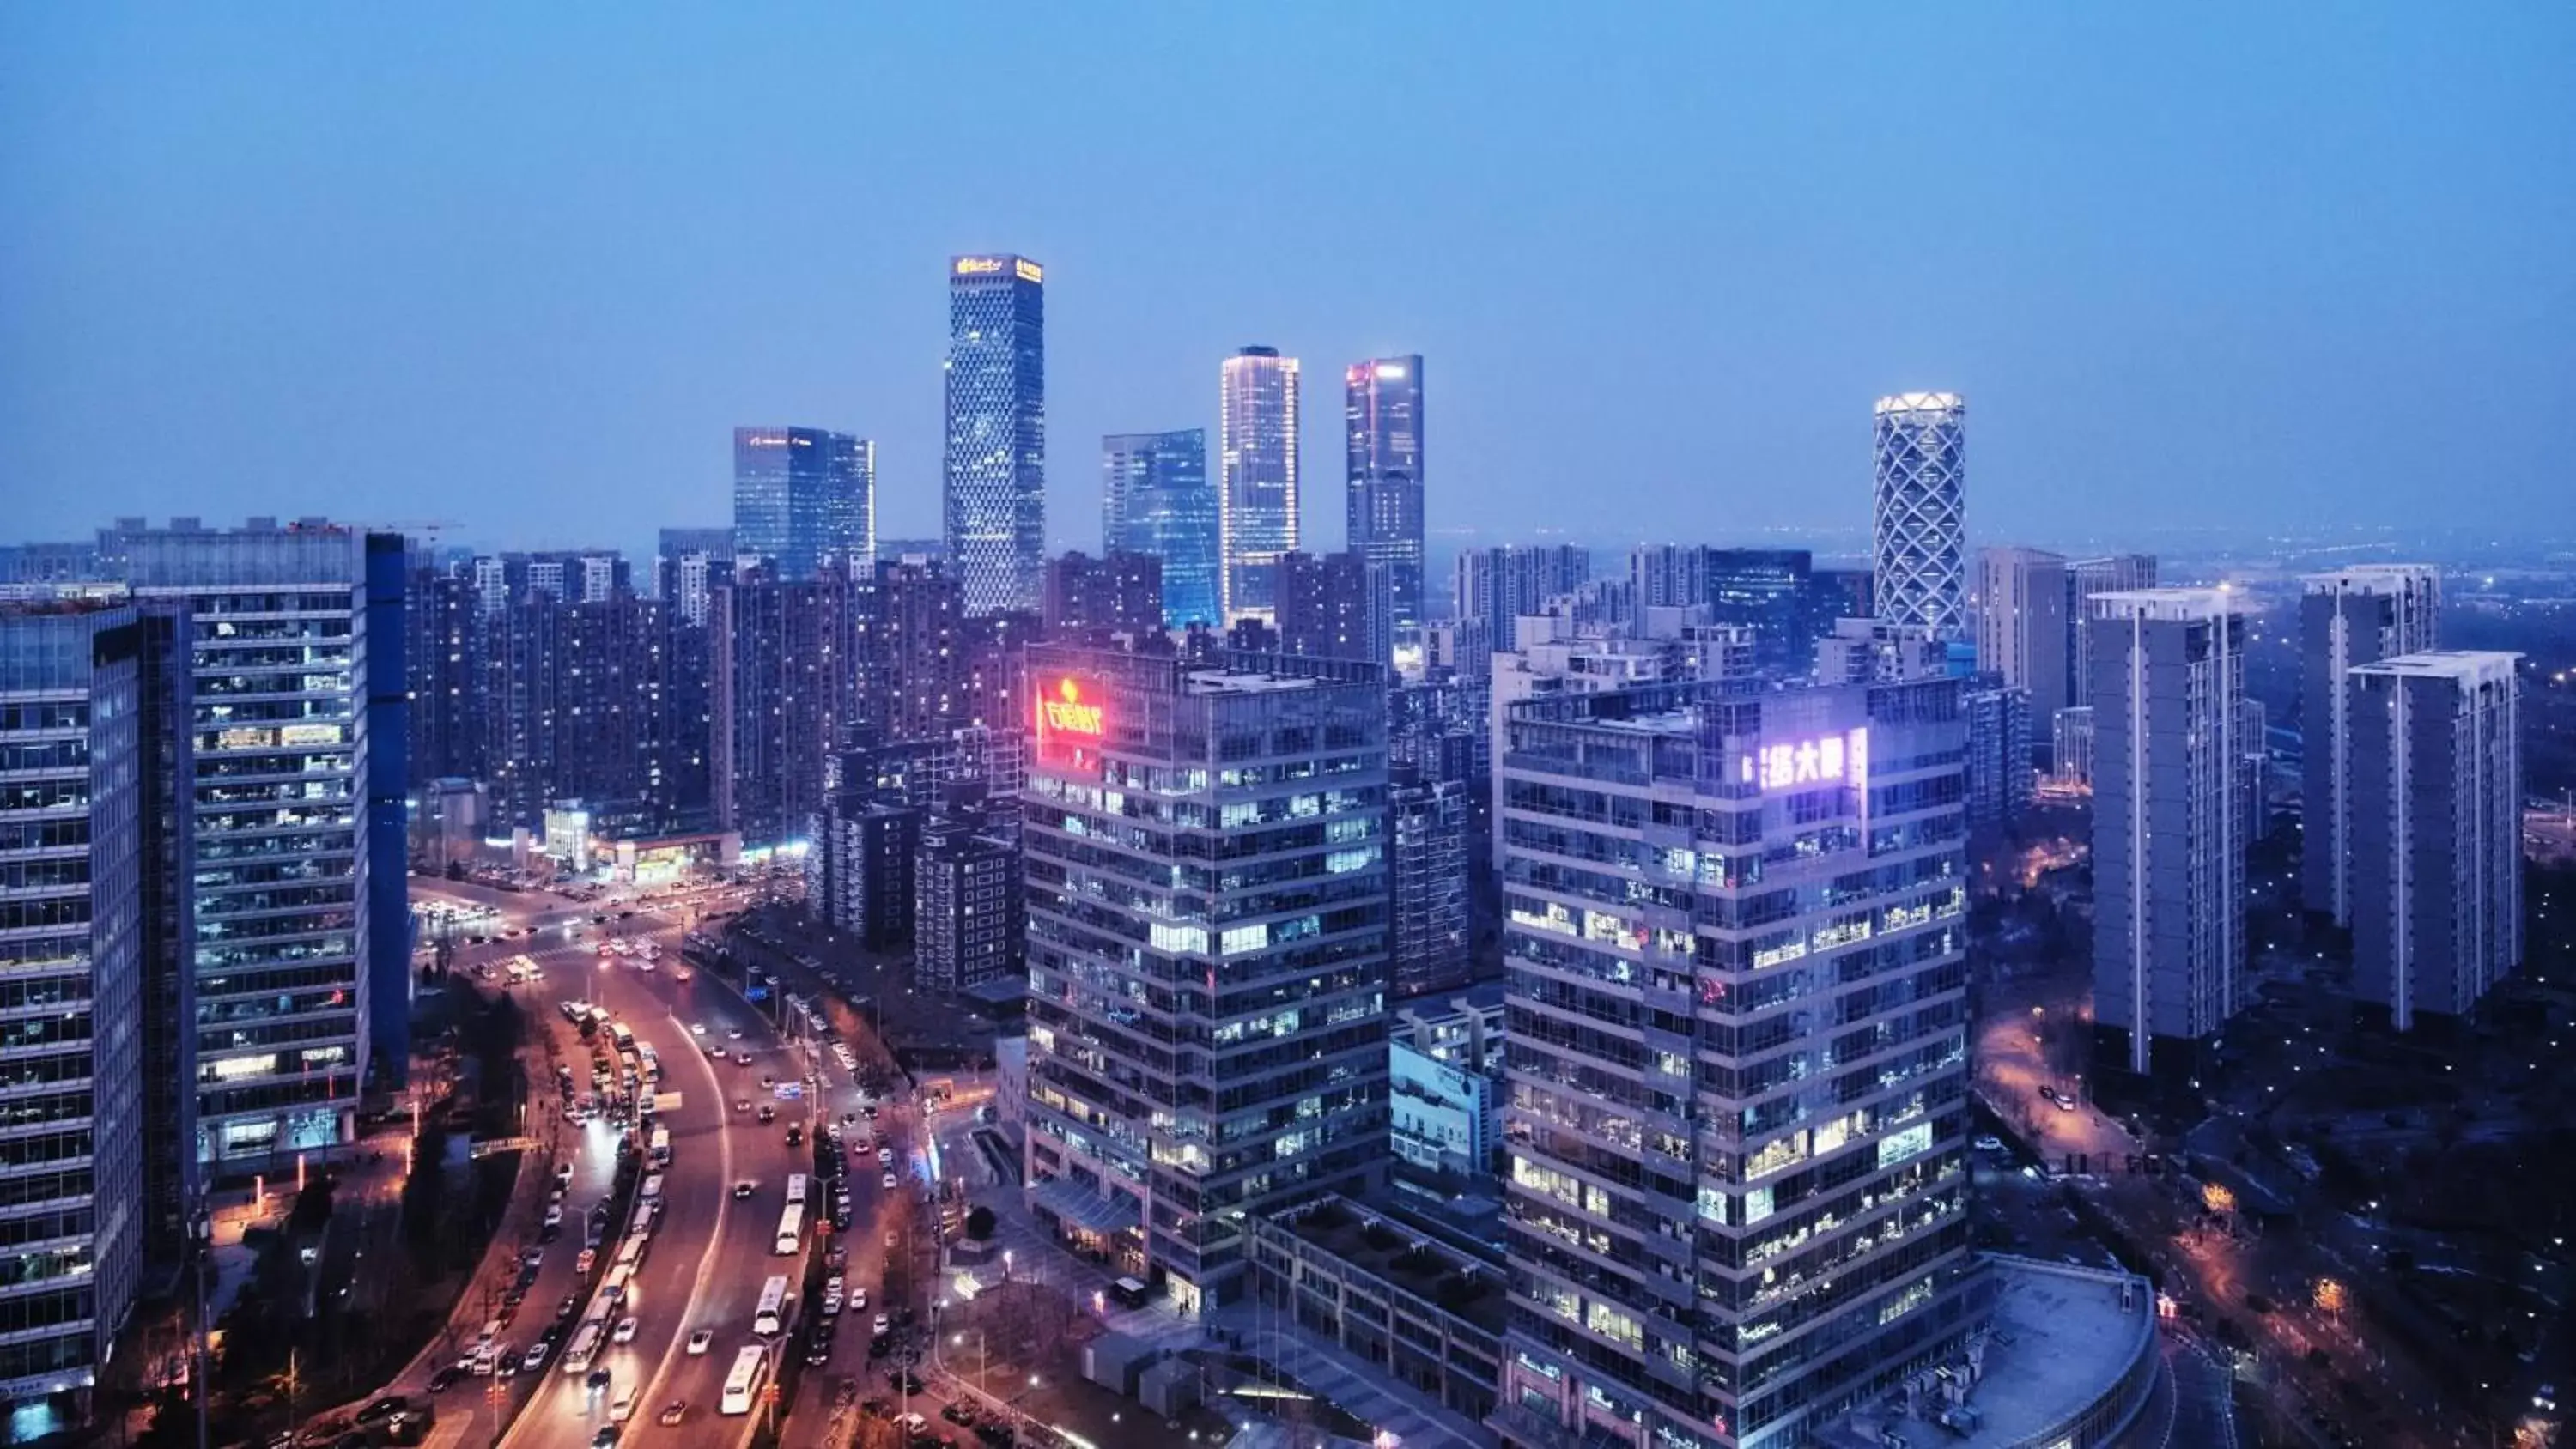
column 388, row 333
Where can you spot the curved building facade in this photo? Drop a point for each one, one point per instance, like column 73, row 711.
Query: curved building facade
column 1921, row 519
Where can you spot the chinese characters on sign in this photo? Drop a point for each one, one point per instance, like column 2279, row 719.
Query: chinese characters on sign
column 1821, row 761
column 1068, row 714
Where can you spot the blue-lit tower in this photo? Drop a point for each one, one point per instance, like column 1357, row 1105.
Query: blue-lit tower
column 1156, row 499
column 995, row 496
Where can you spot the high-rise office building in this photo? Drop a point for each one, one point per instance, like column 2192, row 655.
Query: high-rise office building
column 2072, row 752
column 1497, row 586
column 2086, row 577
column 1338, row 605
column 1428, row 827
column 995, row 483
column 692, row 561
column 1737, row 1108
column 1257, row 478
column 2022, row 624
column 2168, row 668
column 788, row 668
column 1920, row 520
column 1156, row 499
column 2433, row 827
column 81, row 680
column 1206, row 1045
column 1117, row 593
column 2354, row 616
column 804, row 500
column 303, row 951
column 1382, row 419
column 1767, row 590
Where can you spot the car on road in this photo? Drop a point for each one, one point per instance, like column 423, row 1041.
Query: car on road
column 958, row 1412
column 885, row 1157
column 859, row 1296
column 625, row 1330
column 889, row 1183
column 1990, row 1143
column 570, row 1303
column 881, row 1324
column 554, row 1217
column 598, row 1380
column 606, row 1438
column 672, row 1413
column 505, row 1361
column 701, row 1341
column 912, row 1423
column 742, row 1104
column 442, row 1376
column 588, row 1260
column 744, row 1189
column 795, row 1135
column 536, row 1358
column 384, row 1408
column 767, row 1113
column 742, row 1059
column 733, row 1033
column 697, row 1028
column 622, row 1408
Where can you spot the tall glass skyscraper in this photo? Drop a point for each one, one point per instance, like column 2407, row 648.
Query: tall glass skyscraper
column 804, row 499
column 1382, row 407
column 1921, row 557
column 996, row 477
column 1155, row 499
column 1257, row 491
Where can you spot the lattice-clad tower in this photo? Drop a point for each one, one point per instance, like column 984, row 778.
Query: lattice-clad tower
column 1921, row 515
column 995, row 494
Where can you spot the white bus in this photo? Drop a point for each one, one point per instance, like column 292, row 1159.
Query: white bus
column 629, row 1253
column 651, row 1191
column 791, row 1230
column 585, row 1345
column 750, row 1366
column 773, row 1302
column 661, row 1148
column 624, row 1038
column 796, row 1188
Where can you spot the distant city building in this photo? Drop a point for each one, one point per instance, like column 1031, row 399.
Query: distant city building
column 1746, row 1209
column 1257, row 478
column 2022, row 625
column 293, row 716
column 1156, row 499
column 2169, row 828
column 2086, row 577
column 1767, row 590
column 2253, row 743
column 1273, row 971
column 1999, row 776
column 1117, row 593
column 995, row 495
column 1463, row 647
column 2072, row 731
column 971, row 929
column 924, row 771
column 787, row 698
column 1445, row 1074
column 1920, row 520
column 1382, row 413
column 571, row 706
column 691, row 562
column 442, row 656
column 1336, row 605
column 2354, row 616
column 859, row 867
column 1428, row 822
column 84, row 686
column 1861, row 651
column 918, row 659
column 1834, row 594
column 2434, row 829
column 804, row 501
column 1497, row 586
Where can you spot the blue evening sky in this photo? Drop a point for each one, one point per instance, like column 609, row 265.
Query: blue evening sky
column 522, row 267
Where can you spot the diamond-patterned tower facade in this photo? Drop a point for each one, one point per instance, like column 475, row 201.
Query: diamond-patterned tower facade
column 995, row 481
column 1921, row 520
column 1257, row 485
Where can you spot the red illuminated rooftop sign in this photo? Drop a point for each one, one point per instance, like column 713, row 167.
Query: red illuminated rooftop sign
column 1067, row 714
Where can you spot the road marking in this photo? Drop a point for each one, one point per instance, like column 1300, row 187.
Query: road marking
column 707, row 1254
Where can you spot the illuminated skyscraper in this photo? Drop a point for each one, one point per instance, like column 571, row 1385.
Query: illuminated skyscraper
column 1382, row 406
column 804, row 500
column 1737, row 1110
column 1155, row 499
column 1921, row 516
column 995, row 496
column 1257, row 490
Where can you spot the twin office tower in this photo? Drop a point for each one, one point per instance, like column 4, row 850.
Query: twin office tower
column 1222, row 545
column 806, row 498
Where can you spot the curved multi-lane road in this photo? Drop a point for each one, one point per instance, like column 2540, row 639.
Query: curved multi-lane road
column 709, row 1253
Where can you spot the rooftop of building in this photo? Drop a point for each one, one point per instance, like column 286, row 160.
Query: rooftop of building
column 1484, row 997
column 2060, row 1340
column 2461, row 664
column 1388, row 1248
column 2169, row 603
